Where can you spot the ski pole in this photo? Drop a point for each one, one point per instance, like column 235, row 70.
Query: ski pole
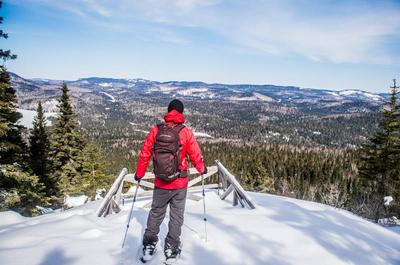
column 204, row 206
column 130, row 214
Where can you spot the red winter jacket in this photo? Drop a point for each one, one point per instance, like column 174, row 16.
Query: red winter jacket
column 189, row 147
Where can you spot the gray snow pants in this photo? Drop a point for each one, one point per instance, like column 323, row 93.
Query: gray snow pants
column 161, row 199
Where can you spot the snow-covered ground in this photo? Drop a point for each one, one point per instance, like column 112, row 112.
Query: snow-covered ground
column 237, row 98
column 263, row 97
column 202, row 135
column 112, row 98
column 280, row 231
column 360, row 93
column 198, row 91
column 29, row 115
column 106, row 84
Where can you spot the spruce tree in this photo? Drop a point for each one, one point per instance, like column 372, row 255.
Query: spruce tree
column 39, row 146
column 259, row 179
column 19, row 190
column 94, row 167
column 380, row 170
column 5, row 55
column 70, row 179
column 12, row 147
column 66, row 145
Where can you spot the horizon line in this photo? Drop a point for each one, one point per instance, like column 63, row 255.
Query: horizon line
column 207, row 83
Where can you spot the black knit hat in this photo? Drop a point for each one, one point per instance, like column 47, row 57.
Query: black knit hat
column 177, row 105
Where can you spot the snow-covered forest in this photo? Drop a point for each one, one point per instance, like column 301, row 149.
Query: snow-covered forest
column 322, row 167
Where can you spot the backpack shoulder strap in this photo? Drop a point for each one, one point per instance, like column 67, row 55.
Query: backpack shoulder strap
column 178, row 128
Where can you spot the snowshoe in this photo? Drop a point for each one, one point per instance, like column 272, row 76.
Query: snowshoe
column 148, row 252
column 171, row 254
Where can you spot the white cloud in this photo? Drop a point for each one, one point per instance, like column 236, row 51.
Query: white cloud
column 347, row 32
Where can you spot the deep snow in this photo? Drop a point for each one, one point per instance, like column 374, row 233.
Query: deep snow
column 279, row 231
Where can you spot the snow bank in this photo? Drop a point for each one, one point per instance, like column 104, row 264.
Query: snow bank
column 281, row 231
column 74, row 201
column 10, row 217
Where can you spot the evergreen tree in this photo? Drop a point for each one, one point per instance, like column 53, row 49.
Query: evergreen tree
column 380, row 171
column 67, row 143
column 19, row 190
column 94, row 167
column 39, row 146
column 12, row 147
column 71, row 178
column 259, row 179
column 5, row 55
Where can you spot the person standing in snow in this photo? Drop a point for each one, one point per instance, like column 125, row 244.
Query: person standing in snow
column 168, row 144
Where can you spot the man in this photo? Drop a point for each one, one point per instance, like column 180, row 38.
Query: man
column 168, row 144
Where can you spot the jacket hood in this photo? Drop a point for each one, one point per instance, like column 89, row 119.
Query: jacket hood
column 174, row 116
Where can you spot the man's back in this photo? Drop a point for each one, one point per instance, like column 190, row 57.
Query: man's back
column 189, row 147
column 172, row 193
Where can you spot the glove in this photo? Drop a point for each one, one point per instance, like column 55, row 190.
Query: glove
column 205, row 170
column 137, row 178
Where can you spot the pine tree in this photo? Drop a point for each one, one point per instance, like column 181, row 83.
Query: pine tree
column 19, row 190
column 260, row 181
column 12, row 147
column 381, row 156
column 70, row 180
column 5, row 55
column 94, row 168
column 67, row 143
column 39, row 146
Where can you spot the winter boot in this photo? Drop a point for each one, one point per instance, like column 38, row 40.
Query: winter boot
column 148, row 252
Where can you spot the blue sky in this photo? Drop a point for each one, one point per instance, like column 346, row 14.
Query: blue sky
column 320, row 44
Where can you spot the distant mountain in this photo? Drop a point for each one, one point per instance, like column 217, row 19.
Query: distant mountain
column 20, row 83
column 116, row 111
column 122, row 88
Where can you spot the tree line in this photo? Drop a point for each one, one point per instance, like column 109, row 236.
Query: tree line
column 56, row 161
column 61, row 159
column 353, row 179
column 52, row 162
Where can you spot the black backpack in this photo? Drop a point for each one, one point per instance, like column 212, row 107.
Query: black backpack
column 166, row 150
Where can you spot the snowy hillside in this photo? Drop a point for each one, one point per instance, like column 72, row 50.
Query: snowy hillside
column 29, row 115
column 131, row 89
column 280, row 231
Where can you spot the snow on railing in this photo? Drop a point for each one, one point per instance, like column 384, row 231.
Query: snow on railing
column 230, row 184
column 115, row 195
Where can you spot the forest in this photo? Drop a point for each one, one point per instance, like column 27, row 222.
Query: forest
column 352, row 165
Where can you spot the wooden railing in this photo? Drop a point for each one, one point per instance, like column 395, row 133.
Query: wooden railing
column 226, row 181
